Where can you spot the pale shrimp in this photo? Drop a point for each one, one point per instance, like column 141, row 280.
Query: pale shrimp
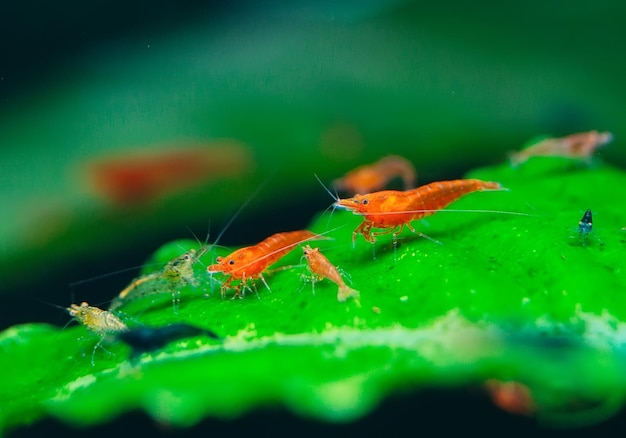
column 103, row 323
column 376, row 176
column 322, row 268
column 176, row 274
column 392, row 210
column 578, row 146
column 249, row 263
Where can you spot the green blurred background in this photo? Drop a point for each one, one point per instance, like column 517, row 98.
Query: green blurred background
column 302, row 87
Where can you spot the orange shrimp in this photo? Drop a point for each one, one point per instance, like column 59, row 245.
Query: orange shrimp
column 372, row 177
column 393, row 210
column 249, row 263
column 579, row 146
column 322, row 268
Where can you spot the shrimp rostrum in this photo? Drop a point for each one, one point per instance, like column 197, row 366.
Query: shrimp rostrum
column 392, row 210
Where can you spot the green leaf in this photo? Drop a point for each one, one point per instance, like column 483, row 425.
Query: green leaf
column 509, row 297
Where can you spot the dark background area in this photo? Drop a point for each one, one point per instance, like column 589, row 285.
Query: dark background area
column 440, row 412
column 38, row 39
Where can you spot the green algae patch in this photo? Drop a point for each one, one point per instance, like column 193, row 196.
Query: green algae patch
column 501, row 291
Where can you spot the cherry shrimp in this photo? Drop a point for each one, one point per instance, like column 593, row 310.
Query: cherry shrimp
column 578, row 146
column 248, row 263
column 176, row 274
column 392, row 210
column 375, row 176
column 321, row 268
column 100, row 322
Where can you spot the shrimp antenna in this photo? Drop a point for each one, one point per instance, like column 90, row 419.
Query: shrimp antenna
column 194, row 234
column 238, row 212
column 65, row 309
column 208, row 234
column 514, row 213
column 49, row 304
column 109, row 274
column 334, row 196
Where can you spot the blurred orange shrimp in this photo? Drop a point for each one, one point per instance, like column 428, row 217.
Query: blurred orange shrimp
column 249, row 263
column 513, row 397
column 579, row 146
column 392, row 210
column 376, row 176
column 322, row 268
column 142, row 176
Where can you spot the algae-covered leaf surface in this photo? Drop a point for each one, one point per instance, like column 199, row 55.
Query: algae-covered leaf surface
column 504, row 298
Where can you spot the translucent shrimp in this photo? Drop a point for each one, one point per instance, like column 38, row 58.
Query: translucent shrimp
column 322, row 268
column 376, row 176
column 176, row 274
column 249, row 263
column 578, row 146
column 392, row 210
column 103, row 323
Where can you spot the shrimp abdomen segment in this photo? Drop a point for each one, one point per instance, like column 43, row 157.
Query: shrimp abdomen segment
column 279, row 244
column 440, row 194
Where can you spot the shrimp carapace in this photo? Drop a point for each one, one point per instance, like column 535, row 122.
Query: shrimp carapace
column 392, row 210
column 249, row 263
column 376, row 176
column 176, row 274
column 322, row 268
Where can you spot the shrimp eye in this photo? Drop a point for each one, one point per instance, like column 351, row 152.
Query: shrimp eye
column 219, row 259
column 231, row 262
column 365, row 202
